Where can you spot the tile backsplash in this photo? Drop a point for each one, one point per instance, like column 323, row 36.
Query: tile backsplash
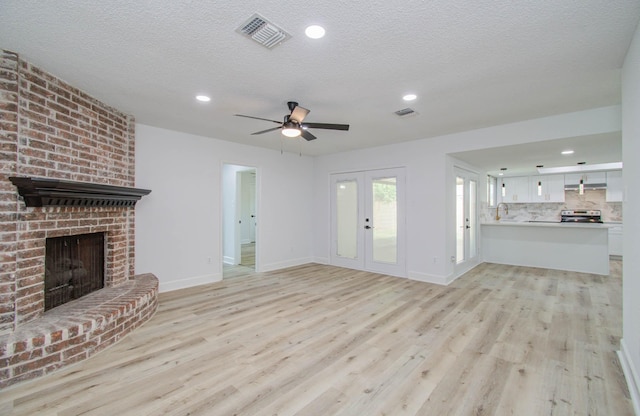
column 591, row 199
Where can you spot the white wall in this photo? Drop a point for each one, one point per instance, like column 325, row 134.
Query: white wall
column 179, row 225
column 630, row 344
column 430, row 201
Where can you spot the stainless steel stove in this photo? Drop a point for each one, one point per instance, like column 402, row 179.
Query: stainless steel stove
column 581, row 216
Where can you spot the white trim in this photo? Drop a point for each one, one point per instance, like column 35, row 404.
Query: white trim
column 631, row 375
column 440, row 280
column 229, row 260
column 468, row 266
column 321, row 260
column 284, row 264
column 189, row 282
column 430, row 278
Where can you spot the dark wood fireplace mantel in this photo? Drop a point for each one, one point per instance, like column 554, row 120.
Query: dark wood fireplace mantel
column 40, row 192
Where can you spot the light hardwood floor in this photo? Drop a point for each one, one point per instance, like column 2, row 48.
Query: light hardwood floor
column 247, row 264
column 321, row 340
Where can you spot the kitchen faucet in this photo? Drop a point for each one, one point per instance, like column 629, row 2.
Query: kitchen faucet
column 506, row 210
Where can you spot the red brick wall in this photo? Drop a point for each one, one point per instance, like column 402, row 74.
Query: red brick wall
column 50, row 129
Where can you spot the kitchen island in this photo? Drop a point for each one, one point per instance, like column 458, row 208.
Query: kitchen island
column 562, row 246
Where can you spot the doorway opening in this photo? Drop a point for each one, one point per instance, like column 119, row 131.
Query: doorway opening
column 239, row 220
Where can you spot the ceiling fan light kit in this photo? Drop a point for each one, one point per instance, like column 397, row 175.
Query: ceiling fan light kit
column 291, row 129
column 293, row 125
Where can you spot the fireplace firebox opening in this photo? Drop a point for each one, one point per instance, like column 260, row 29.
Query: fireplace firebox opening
column 74, row 267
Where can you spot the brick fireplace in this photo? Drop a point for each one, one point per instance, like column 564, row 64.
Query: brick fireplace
column 49, row 129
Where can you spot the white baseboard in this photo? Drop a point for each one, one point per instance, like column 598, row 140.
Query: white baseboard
column 189, row 282
column 321, row 260
column 229, row 260
column 284, row 264
column 631, row 375
column 430, row 278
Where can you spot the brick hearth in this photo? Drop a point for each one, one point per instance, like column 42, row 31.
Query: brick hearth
column 76, row 330
column 49, row 129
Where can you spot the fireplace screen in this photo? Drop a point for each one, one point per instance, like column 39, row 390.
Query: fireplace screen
column 74, row 267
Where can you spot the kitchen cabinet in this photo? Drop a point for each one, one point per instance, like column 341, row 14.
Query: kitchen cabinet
column 614, row 186
column 588, row 178
column 551, row 188
column 516, row 189
column 615, row 240
column 561, row 246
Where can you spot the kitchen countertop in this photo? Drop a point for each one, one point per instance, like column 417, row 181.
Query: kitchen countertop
column 546, row 224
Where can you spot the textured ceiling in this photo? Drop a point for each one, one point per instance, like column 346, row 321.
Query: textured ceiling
column 472, row 64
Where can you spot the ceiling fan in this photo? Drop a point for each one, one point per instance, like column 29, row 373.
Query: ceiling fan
column 292, row 126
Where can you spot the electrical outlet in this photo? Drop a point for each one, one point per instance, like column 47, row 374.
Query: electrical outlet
column 453, row 259
column 209, row 260
column 435, row 260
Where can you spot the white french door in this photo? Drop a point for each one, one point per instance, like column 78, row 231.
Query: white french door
column 466, row 185
column 367, row 221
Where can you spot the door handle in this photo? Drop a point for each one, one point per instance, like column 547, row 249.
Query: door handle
column 467, row 227
column 367, row 227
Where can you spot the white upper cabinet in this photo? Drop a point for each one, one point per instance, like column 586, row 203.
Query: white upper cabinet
column 523, row 189
column 614, row 186
column 547, row 188
column 588, row 178
column 514, row 189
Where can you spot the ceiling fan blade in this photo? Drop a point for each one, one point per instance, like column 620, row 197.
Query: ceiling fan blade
column 258, row 118
column 298, row 114
column 307, row 135
column 328, row 126
column 266, row 131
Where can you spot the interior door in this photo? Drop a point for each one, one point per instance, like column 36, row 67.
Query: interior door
column 466, row 190
column 368, row 221
column 248, row 206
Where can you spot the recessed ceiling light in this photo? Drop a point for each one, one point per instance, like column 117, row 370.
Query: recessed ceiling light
column 203, row 98
column 314, row 31
column 409, row 97
column 567, row 152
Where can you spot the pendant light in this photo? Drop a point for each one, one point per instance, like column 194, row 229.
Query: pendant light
column 539, row 188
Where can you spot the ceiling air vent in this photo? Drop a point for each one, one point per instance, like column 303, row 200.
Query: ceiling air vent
column 406, row 112
column 262, row 31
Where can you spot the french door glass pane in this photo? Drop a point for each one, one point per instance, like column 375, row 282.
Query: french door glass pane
column 472, row 219
column 347, row 219
column 385, row 220
column 459, row 219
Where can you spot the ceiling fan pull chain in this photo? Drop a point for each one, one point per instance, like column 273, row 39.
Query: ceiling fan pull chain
column 281, row 144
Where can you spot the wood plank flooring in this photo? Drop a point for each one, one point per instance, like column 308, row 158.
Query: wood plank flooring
column 247, row 264
column 322, row 340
